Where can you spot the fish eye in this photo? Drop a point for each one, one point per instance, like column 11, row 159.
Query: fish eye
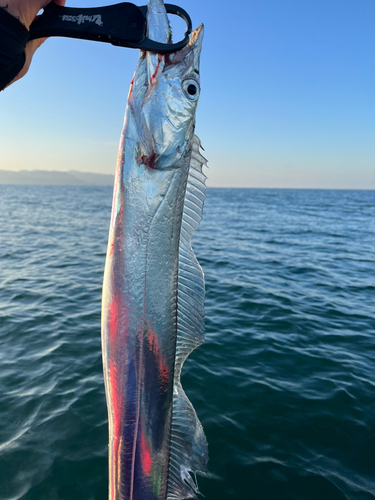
column 191, row 89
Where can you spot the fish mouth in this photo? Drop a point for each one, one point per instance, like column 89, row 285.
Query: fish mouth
column 195, row 37
column 159, row 30
column 194, row 46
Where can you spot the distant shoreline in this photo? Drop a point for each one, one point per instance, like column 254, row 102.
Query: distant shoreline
column 76, row 178
column 55, row 178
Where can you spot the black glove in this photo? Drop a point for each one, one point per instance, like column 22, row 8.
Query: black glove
column 13, row 38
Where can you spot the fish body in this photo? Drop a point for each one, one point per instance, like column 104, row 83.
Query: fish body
column 152, row 309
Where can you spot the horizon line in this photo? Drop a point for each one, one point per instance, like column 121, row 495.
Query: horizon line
column 207, row 187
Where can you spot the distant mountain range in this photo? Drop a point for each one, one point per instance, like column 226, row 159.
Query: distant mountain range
column 71, row 178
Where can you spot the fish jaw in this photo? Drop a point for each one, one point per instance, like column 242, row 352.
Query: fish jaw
column 158, row 29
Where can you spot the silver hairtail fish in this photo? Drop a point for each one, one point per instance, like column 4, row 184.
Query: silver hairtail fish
column 153, row 288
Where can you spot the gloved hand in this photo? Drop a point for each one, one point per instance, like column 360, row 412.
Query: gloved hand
column 13, row 63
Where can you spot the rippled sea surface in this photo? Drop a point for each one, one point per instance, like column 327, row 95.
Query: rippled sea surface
column 284, row 385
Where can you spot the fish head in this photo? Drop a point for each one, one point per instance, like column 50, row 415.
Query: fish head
column 164, row 95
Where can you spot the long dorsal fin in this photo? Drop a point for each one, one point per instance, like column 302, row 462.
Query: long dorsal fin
column 188, row 442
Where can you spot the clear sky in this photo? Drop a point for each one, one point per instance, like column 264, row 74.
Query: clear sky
column 288, row 96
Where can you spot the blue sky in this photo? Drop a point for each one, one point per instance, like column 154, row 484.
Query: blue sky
column 288, row 97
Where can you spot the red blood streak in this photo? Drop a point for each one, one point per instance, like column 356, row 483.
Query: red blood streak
column 116, row 400
column 149, row 161
column 160, row 361
column 160, row 58
column 117, row 319
column 145, row 455
column 111, row 249
column 118, row 331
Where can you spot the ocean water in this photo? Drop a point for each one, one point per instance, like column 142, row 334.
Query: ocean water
column 284, row 384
